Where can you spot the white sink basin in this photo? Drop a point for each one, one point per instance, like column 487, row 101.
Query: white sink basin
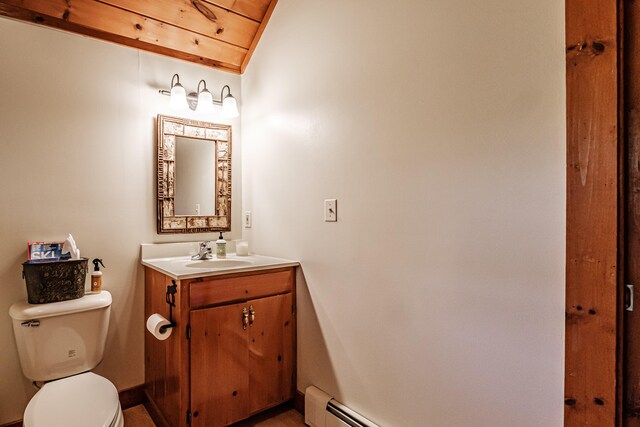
column 170, row 259
column 219, row 263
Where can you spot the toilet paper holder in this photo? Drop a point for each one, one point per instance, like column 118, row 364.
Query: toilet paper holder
column 170, row 298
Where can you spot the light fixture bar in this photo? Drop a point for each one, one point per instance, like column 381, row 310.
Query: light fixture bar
column 200, row 101
column 191, row 96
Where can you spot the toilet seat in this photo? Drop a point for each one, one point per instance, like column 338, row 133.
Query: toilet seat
column 84, row 400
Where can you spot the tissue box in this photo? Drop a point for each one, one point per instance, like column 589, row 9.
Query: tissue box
column 53, row 281
column 40, row 251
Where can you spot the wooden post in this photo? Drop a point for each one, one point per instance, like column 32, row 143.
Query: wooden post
column 593, row 215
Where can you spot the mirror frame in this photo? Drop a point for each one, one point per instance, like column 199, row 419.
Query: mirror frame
column 168, row 129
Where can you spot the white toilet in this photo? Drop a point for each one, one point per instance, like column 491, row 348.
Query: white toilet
column 60, row 343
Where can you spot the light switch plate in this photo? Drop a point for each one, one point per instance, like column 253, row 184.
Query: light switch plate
column 331, row 210
column 246, row 219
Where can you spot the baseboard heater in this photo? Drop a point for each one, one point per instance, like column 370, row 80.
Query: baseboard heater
column 321, row 410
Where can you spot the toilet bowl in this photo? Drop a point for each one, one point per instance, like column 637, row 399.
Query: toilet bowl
column 83, row 400
column 59, row 344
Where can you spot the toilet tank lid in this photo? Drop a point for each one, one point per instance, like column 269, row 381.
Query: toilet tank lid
column 24, row 311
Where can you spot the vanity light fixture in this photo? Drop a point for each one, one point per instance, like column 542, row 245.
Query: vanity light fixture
column 178, row 95
column 201, row 101
column 229, row 104
column 205, row 100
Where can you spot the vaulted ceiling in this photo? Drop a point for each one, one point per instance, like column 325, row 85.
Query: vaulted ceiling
column 217, row 33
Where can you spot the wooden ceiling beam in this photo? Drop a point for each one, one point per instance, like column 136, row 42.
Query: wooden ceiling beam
column 112, row 20
column 213, row 21
column 30, row 16
column 256, row 39
column 254, row 9
column 216, row 33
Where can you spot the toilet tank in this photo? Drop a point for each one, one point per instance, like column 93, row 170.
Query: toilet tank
column 62, row 338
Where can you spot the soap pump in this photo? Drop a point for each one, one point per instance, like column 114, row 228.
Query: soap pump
column 221, row 247
column 96, row 275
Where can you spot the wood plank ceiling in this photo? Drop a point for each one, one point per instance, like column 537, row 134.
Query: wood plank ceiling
column 217, row 33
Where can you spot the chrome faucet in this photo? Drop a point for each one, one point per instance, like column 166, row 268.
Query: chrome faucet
column 204, row 252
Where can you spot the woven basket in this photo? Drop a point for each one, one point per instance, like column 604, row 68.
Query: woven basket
column 54, row 281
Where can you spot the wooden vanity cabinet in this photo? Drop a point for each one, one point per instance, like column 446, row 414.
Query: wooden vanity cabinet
column 236, row 356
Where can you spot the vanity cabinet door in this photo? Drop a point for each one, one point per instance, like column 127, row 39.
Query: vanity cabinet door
column 241, row 359
column 219, row 366
column 270, row 351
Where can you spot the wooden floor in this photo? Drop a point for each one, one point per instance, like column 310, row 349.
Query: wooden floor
column 138, row 417
column 275, row 418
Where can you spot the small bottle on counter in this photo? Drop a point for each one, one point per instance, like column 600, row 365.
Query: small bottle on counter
column 96, row 275
column 221, row 247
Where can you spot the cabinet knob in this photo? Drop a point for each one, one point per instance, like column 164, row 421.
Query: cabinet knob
column 252, row 315
column 245, row 318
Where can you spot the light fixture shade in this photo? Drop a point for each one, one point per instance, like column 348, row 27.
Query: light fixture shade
column 205, row 102
column 178, row 99
column 230, row 107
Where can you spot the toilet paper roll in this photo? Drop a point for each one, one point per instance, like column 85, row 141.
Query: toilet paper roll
column 154, row 322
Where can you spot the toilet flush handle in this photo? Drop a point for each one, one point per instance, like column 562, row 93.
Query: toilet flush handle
column 31, row 323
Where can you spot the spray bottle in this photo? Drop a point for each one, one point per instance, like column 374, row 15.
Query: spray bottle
column 96, row 276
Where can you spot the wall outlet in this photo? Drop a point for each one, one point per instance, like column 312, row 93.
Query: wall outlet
column 331, row 210
column 197, row 208
column 246, row 219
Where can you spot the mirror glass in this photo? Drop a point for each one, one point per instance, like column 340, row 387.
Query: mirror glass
column 193, row 176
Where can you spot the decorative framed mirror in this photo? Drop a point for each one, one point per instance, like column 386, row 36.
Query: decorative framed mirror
column 194, row 176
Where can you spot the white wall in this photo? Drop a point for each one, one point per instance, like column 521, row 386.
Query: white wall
column 437, row 299
column 77, row 155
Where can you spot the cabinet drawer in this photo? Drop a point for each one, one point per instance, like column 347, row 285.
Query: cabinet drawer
column 214, row 291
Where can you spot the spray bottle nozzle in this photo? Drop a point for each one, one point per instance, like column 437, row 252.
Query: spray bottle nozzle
column 95, row 262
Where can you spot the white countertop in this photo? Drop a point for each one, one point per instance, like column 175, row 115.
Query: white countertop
column 183, row 267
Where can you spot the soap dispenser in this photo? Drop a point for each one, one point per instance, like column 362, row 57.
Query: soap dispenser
column 221, row 247
column 96, row 275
